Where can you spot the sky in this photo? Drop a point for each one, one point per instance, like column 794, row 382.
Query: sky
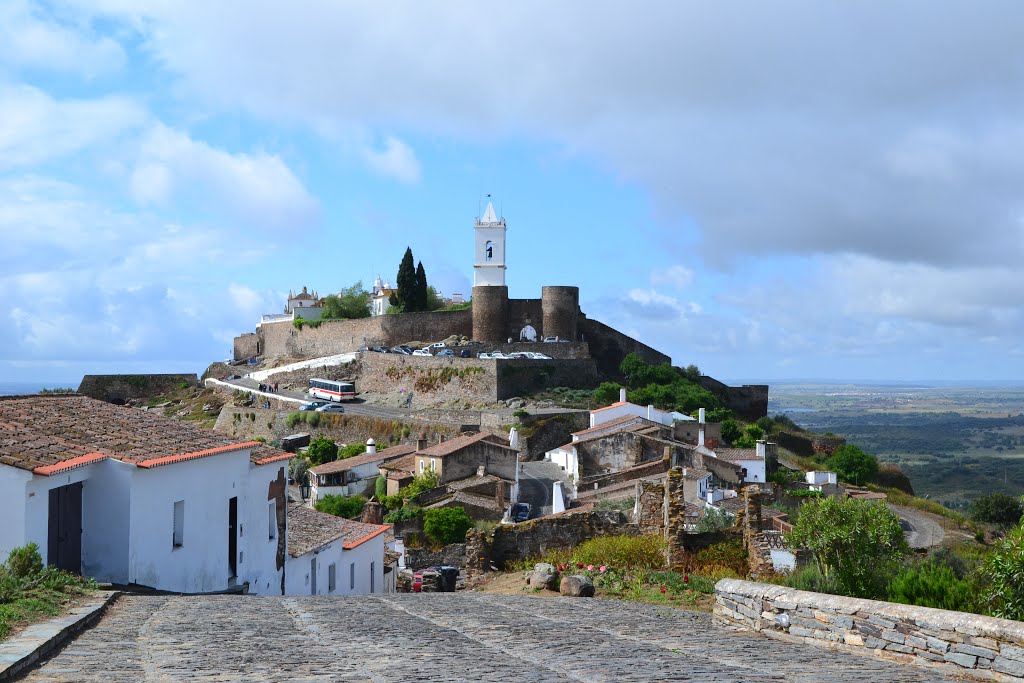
column 770, row 191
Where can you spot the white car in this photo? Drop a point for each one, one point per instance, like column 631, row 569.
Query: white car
column 330, row 408
column 533, row 355
column 422, row 352
column 437, row 345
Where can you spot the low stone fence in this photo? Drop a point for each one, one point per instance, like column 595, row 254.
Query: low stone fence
column 533, row 539
column 454, row 555
column 983, row 646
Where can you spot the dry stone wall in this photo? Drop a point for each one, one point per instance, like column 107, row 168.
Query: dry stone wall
column 967, row 643
column 536, row 537
column 120, row 388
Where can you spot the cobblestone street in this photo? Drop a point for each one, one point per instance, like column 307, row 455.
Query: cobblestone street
column 437, row 637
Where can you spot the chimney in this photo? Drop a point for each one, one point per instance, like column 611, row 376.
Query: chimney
column 760, row 449
column 421, row 444
column 371, row 446
column 622, row 394
column 650, row 410
column 700, row 416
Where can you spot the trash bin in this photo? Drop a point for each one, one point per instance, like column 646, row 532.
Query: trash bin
column 449, row 576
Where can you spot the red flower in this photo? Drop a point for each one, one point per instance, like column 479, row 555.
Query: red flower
column 663, row 589
column 686, row 578
column 579, row 565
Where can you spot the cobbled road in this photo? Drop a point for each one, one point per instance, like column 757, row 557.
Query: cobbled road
column 475, row 637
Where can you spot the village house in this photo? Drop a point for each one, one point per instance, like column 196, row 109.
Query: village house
column 330, row 555
column 623, row 408
column 129, row 497
column 353, row 476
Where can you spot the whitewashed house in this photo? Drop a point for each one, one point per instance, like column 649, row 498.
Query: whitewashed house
column 353, row 476
column 752, row 460
column 819, row 479
column 330, row 555
column 126, row 496
column 623, row 408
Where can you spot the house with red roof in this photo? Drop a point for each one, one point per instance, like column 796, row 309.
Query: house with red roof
column 129, row 497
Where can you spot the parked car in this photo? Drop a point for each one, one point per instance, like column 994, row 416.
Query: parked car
column 550, row 339
column 331, row 408
column 533, row 355
column 422, row 352
column 521, row 512
column 446, row 353
column 465, row 353
column 231, row 377
column 313, row 405
column 401, row 350
column 437, row 345
column 405, row 349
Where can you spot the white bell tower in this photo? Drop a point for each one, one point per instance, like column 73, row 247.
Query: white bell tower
column 489, row 260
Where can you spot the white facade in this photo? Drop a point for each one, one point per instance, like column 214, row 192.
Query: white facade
column 357, row 571
column 565, row 457
column 489, row 260
column 625, row 409
column 820, row 478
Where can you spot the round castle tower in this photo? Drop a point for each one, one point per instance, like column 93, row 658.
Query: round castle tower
column 560, row 308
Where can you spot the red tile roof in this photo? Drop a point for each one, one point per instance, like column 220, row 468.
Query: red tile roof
column 614, row 405
column 619, row 423
column 50, row 434
column 309, row 529
column 736, row 454
column 459, row 442
column 379, row 457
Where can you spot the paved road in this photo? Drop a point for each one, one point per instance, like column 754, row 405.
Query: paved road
column 536, row 485
column 352, row 407
column 472, row 637
column 921, row 529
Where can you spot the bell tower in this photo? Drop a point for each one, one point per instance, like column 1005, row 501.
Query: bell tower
column 489, row 253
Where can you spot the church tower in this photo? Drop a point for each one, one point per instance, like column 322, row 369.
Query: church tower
column 489, row 260
column 490, row 294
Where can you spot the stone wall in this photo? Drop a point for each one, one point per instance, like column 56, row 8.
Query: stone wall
column 120, row 388
column 246, row 346
column 808, row 447
column 453, row 555
column 749, row 401
column 546, row 432
column 966, row 643
column 536, row 537
column 608, row 347
column 521, row 376
column 650, row 507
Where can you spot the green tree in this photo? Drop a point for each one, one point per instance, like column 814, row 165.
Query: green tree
column 997, row 508
column 420, row 297
column 713, row 519
column 404, row 298
column 447, row 525
column 321, row 450
column 853, row 465
column 297, row 468
column 1004, row 568
column 420, row 483
column 352, row 450
column 857, row 544
column 348, row 507
column 380, row 488
column 350, row 303
column 434, row 300
column 932, row 584
column 730, row 431
column 607, row 393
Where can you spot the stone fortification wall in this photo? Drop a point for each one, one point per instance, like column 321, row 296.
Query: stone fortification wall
column 808, row 447
column 490, row 314
column 561, row 308
column 120, row 388
column 749, row 401
column 521, row 376
column 453, row 555
column 608, row 347
column 966, row 643
column 523, row 312
column 246, row 346
column 341, row 336
column 545, row 432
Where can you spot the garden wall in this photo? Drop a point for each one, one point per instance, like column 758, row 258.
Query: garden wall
column 536, row 537
column 955, row 641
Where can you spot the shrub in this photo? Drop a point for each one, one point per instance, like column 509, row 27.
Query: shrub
column 713, row 519
column 352, row 450
column 810, row 578
column 348, row 507
column 997, row 508
column 932, row 584
column 728, row 555
column 853, row 465
column 632, row 552
column 401, row 514
column 1004, row 568
column 803, row 493
column 391, row 503
column 24, row 561
column 447, row 525
column 321, row 450
column 297, row 469
column 520, row 414
column 622, row 504
column 420, row 483
column 380, row 488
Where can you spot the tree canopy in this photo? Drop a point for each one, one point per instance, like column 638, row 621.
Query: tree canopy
column 321, row 450
column 404, row 298
column 662, row 386
column 857, row 544
column 997, row 508
column 351, row 302
column 447, row 525
column 348, row 507
column 853, row 465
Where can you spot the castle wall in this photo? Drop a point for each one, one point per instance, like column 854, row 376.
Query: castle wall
column 523, row 312
column 490, row 314
column 749, row 401
column 560, row 307
column 246, row 346
column 608, row 347
column 120, row 388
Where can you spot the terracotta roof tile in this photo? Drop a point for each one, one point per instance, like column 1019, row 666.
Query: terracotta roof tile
column 309, row 529
column 348, row 463
column 459, row 442
column 619, row 424
column 407, row 463
column 736, row 454
column 44, row 431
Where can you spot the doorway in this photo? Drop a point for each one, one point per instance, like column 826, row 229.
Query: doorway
column 312, row 574
column 64, row 534
column 233, row 537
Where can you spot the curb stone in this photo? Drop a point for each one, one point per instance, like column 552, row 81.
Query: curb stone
column 38, row 641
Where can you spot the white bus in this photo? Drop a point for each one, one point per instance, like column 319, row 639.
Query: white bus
column 332, row 390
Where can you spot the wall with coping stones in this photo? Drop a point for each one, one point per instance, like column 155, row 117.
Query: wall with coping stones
column 419, row 558
column 955, row 641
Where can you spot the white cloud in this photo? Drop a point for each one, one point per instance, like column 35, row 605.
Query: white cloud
column 36, row 128
column 32, row 37
column 397, row 160
column 258, row 187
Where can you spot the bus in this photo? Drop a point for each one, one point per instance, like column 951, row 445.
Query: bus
column 332, row 390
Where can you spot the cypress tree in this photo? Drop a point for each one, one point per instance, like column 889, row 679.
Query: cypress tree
column 406, row 283
column 421, row 288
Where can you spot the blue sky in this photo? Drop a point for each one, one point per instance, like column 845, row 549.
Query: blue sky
column 800, row 190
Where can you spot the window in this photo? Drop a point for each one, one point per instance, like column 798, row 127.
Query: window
column 352, row 576
column 421, row 465
column 331, row 577
column 489, row 251
column 179, row 524
column 372, row 578
column 272, row 520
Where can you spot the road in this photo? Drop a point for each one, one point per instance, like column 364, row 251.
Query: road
column 450, row 637
column 535, row 485
column 921, row 528
column 299, row 397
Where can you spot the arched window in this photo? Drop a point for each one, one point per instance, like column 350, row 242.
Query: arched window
column 489, row 251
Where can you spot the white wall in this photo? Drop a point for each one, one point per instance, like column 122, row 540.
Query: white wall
column 610, row 413
column 566, row 459
column 258, row 550
column 106, row 521
column 755, row 469
column 298, row 578
column 13, row 482
column 37, row 504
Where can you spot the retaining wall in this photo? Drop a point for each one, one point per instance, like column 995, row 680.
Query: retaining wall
column 536, row 537
column 955, row 641
column 120, row 388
